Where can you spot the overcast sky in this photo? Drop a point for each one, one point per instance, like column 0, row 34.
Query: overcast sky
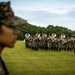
column 46, row 12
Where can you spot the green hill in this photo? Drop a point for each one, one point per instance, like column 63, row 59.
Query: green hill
column 32, row 30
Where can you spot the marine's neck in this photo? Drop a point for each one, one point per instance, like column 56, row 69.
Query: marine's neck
column 1, row 48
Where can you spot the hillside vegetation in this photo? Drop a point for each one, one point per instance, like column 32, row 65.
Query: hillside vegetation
column 32, row 30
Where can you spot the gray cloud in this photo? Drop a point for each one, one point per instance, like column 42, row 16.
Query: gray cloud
column 71, row 13
column 45, row 18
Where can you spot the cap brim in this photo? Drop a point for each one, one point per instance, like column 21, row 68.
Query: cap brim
column 16, row 21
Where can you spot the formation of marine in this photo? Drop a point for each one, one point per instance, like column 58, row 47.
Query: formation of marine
column 49, row 43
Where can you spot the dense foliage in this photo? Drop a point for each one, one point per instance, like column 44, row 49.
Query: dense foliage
column 32, row 29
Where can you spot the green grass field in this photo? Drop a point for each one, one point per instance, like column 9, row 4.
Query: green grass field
column 23, row 61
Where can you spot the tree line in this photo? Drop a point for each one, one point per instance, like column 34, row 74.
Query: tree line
column 32, row 30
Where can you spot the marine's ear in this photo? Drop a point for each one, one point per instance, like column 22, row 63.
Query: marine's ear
column 7, row 6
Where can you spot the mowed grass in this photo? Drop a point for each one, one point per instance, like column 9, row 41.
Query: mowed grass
column 22, row 61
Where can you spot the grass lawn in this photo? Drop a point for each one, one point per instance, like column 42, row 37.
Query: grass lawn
column 22, row 61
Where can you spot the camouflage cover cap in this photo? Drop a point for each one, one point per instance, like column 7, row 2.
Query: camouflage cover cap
column 7, row 15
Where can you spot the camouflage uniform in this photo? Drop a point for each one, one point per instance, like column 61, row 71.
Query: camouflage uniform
column 74, row 46
column 3, row 69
